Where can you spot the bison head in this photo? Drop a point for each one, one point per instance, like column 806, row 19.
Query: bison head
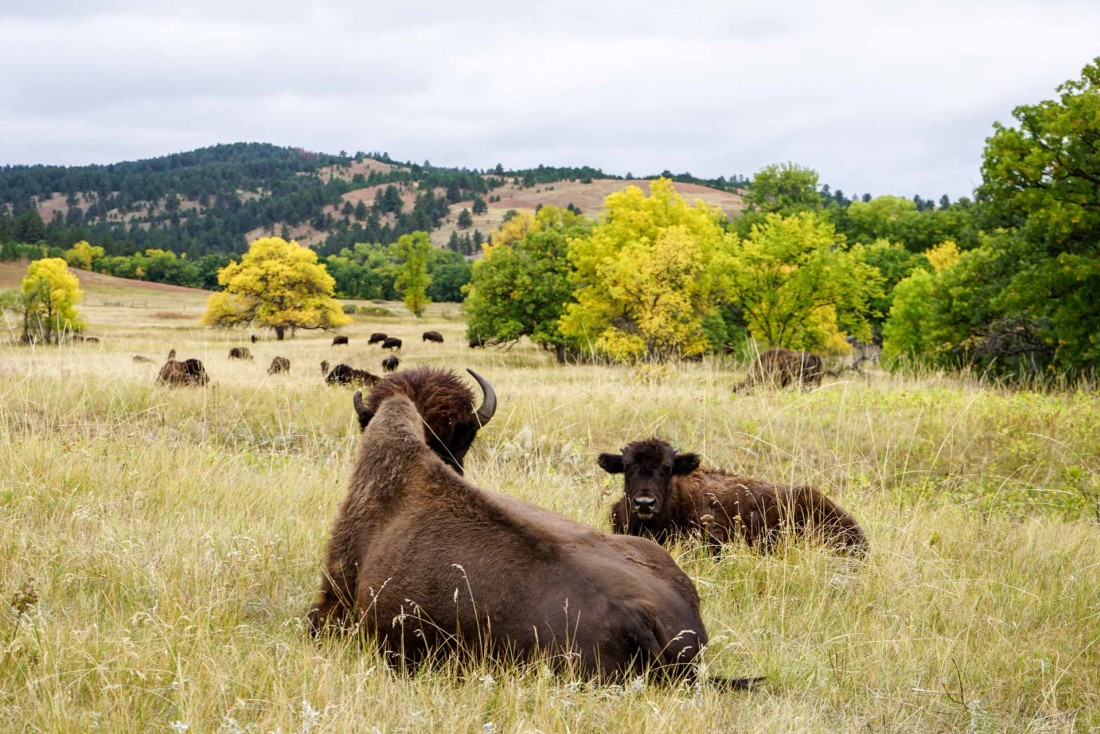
column 648, row 468
column 445, row 404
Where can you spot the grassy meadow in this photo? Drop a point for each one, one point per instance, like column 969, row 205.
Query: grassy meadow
column 159, row 547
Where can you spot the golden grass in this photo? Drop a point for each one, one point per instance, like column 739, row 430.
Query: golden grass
column 159, row 547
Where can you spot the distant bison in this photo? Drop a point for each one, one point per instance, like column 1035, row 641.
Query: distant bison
column 433, row 336
column 189, row 372
column 476, row 342
column 339, row 339
column 390, row 363
column 240, row 353
column 666, row 495
column 783, row 367
column 254, row 338
column 392, row 342
column 139, row 359
column 376, row 337
column 278, row 366
column 342, row 374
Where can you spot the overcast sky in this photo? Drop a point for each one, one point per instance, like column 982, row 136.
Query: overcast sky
column 878, row 96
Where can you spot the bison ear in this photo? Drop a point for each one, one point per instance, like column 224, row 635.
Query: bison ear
column 685, row 464
column 611, row 463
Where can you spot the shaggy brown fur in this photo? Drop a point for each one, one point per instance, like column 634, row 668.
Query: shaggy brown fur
column 444, row 401
column 376, row 337
column 186, row 373
column 240, row 353
column 429, row 565
column 667, row 496
column 141, row 359
column 278, row 366
column 433, row 336
column 782, row 367
column 390, row 363
column 339, row 339
column 392, row 342
column 342, row 374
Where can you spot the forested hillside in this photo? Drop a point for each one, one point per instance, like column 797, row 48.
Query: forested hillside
column 215, row 200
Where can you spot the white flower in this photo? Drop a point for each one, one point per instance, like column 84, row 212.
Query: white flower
column 179, row 727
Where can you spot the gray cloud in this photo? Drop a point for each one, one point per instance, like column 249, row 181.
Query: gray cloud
column 879, row 97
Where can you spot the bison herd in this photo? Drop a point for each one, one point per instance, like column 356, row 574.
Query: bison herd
column 429, row 565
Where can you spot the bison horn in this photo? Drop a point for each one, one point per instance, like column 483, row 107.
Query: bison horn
column 357, row 401
column 489, row 404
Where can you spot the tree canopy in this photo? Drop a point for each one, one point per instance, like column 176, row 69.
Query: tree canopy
column 412, row 280
column 48, row 301
column 279, row 285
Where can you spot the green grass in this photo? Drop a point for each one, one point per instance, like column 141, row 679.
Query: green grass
column 158, row 548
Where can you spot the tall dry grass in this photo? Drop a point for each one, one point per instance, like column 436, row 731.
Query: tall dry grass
column 158, row 548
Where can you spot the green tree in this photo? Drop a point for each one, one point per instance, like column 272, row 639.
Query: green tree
column 411, row 252
column 799, row 287
column 83, row 255
column 479, row 206
column 48, row 303
column 279, row 285
column 465, row 221
column 783, row 188
column 449, row 272
column 648, row 276
column 522, row 285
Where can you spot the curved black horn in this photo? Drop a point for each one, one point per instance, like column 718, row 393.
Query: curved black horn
column 489, row 403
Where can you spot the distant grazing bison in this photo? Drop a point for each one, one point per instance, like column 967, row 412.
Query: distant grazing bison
column 666, row 495
column 376, row 337
column 240, row 353
column 342, row 374
column 476, row 342
column 429, row 565
column 339, row 339
column 185, row 373
column 433, row 336
column 278, row 366
column 390, row 363
column 139, row 359
column 782, row 367
column 254, row 338
column 392, row 342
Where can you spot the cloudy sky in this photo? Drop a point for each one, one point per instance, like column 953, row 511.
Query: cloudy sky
column 878, row 96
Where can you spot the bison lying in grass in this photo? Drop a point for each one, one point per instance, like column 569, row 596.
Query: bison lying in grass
column 666, row 495
column 343, row 374
column 429, row 565
column 782, row 367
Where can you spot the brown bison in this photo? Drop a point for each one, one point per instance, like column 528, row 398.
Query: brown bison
column 185, row 373
column 343, row 374
column 666, row 495
column 433, row 336
column 429, row 565
column 339, row 339
column 253, row 338
column 240, row 353
column 278, row 366
column 377, row 337
column 782, row 367
column 141, row 359
column 446, row 404
column 390, row 363
column 476, row 342
column 392, row 342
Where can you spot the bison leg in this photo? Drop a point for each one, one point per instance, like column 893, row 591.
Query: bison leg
column 334, row 603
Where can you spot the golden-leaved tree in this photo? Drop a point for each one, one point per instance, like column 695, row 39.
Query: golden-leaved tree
column 278, row 285
column 647, row 276
column 48, row 301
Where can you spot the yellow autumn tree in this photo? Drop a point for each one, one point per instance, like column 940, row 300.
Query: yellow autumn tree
column 647, row 276
column 82, row 255
column 48, row 301
column 278, row 285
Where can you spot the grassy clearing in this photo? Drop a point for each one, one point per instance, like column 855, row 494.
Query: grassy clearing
column 159, row 547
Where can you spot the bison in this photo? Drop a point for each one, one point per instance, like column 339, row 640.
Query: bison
column 782, row 367
column 476, row 342
column 253, row 338
column 377, row 337
column 240, row 353
column 666, row 496
column 339, row 339
column 433, row 336
column 427, row 565
column 446, row 404
column 187, row 372
column 392, row 342
column 278, row 366
column 343, row 374
column 390, row 363
column 142, row 359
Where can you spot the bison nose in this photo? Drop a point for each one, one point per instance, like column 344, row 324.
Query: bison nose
column 645, row 504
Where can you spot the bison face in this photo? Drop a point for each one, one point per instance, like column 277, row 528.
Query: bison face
column 648, row 468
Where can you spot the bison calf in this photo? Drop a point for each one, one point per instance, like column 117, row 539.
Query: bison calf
column 782, row 367
column 666, row 495
column 429, row 565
